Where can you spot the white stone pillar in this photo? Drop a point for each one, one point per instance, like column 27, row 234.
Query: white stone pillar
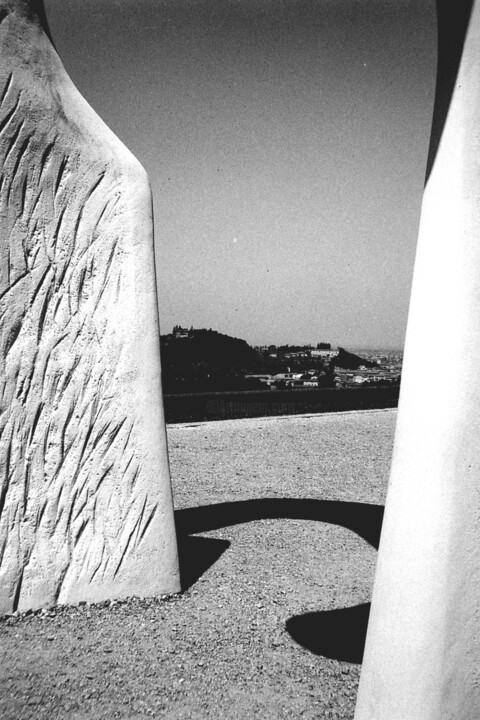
column 422, row 657
column 85, row 501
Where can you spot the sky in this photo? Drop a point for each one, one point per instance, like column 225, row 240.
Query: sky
column 286, row 144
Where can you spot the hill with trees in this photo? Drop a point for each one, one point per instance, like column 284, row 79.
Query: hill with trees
column 350, row 361
column 209, row 361
column 204, row 360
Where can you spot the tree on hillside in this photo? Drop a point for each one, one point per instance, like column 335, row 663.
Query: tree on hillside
column 350, row 361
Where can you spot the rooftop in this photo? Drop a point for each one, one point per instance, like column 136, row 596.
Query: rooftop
column 278, row 521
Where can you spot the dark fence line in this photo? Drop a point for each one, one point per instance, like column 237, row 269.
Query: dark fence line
column 195, row 407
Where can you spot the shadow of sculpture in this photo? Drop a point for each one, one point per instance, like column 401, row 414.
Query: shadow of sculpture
column 362, row 518
column 336, row 634
column 196, row 555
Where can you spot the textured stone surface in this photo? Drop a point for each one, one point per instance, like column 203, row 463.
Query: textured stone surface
column 85, row 501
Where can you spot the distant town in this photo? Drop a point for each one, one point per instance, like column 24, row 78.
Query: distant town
column 200, row 360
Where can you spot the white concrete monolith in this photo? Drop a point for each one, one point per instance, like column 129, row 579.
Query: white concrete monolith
column 422, row 656
column 85, row 501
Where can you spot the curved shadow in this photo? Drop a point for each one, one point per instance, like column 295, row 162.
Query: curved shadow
column 362, row 518
column 336, row 634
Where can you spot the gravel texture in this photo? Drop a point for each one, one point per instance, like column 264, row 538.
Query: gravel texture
column 272, row 622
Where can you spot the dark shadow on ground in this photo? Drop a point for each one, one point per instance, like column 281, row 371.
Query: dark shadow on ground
column 196, row 555
column 362, row 518
column 335, row 634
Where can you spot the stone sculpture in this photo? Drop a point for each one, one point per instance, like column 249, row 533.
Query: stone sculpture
column 85, row 501
column 422, row 657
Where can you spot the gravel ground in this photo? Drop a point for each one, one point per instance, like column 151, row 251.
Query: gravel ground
column 272, row 622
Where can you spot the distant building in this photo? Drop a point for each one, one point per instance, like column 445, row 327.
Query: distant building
column 325, row 354
column 287, row 376
column 179, row 332
column 267, row 379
